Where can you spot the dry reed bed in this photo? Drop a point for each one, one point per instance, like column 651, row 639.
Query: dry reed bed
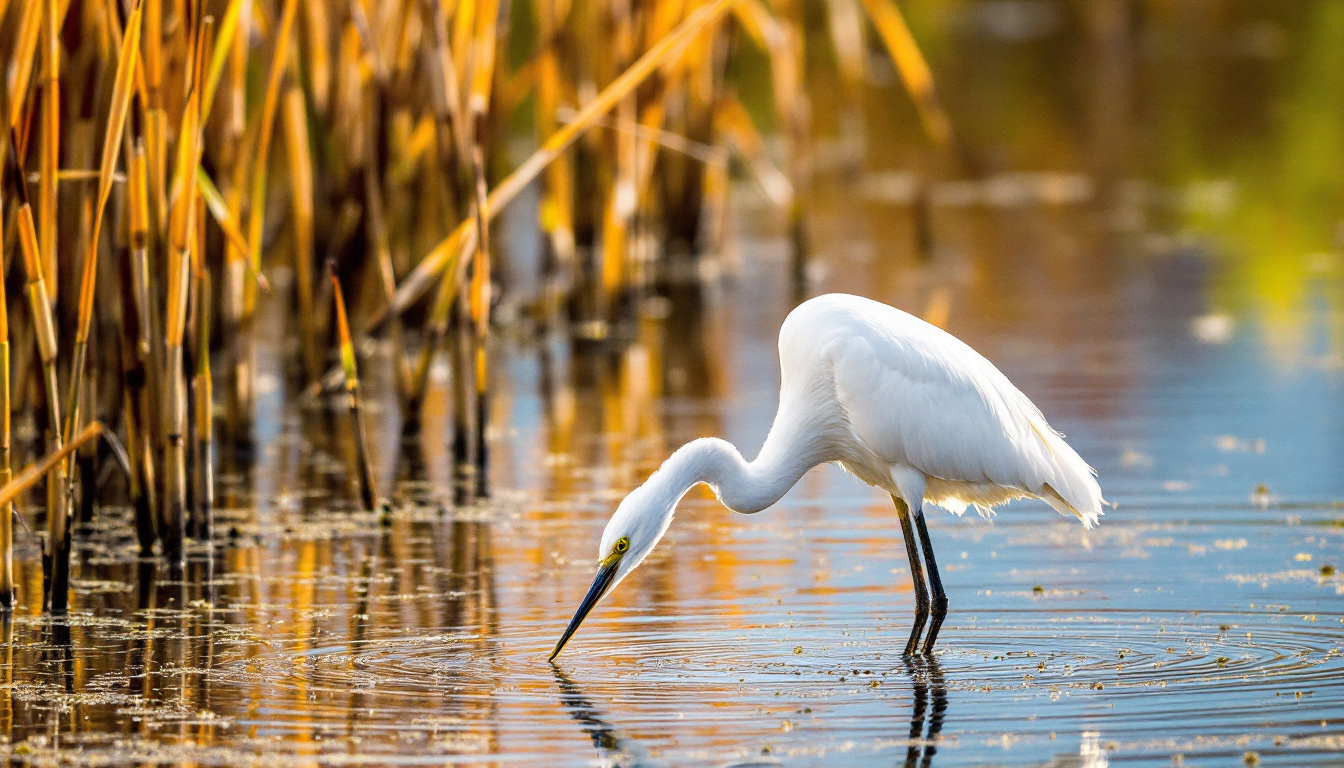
column 389, row 166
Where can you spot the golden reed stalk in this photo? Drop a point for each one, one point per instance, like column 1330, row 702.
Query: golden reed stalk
column 6, row 473
column 368, row 493
column 34, row 472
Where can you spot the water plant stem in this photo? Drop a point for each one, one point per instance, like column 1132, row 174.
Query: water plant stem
column 6, row 510
column 368, row 492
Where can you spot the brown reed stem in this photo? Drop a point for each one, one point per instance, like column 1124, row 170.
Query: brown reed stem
column 121, row 100
column 147, row 367
column 301, row 198
column 57, row 556
column 181, row 245
column 257, row 213
column 463, row 466
column 49, row 463
column 373, row 196
column 204, row 399
column 6, row 510
column 172, row 521
column 25, row 53
column 480, row 311
column 368, row 493
column 50, row 141
column 135, row 369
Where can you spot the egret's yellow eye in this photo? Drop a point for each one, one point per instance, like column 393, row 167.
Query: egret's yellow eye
column 622, row 544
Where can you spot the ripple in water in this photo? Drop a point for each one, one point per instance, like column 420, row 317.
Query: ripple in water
column 1138, row 675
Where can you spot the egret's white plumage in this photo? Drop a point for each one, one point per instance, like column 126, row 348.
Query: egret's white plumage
column 903, row 405
column 915, row 411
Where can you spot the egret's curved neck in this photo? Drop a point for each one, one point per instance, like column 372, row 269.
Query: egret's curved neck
column 742, row 486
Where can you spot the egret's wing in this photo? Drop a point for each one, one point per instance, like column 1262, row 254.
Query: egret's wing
column 918, row 396
column 910, row 406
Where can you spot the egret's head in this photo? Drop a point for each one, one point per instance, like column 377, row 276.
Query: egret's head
column 640, row 521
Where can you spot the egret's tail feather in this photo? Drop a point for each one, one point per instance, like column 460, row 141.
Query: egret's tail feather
column 1063, row 507
column 1073, row 490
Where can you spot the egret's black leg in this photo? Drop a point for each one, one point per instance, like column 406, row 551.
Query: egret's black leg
column 916, row 577
column 939, row 607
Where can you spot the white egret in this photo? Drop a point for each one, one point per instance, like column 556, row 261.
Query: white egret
column 901, row 404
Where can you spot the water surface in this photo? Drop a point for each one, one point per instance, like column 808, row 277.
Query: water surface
column 1172, row 307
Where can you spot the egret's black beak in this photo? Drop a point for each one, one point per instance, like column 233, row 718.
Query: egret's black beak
column 606, row 573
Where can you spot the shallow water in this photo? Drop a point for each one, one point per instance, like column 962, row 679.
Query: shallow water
column 1196, row 621
column 1194, row 360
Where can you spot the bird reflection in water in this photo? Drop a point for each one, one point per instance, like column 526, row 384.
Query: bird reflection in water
column 930, row 690
column 926, row 718
column 613, row 748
